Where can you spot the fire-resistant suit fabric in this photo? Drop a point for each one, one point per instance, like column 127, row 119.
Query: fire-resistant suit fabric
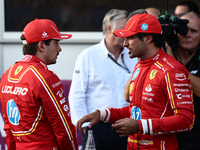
column 34, row 109
column 160, row 100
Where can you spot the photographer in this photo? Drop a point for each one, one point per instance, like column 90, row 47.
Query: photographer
column 188, row 53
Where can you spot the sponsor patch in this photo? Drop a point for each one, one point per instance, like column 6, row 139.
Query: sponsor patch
column 13, row 112
column 144, row 26
column 148, row 88
column 147, row 99
column 181, row 90
column 136, row 113
column 180, row 96
column 180, row 76
column 185, row 102
column 136, row 73
column 131, row 87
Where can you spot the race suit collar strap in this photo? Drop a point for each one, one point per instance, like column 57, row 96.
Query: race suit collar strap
column 32, row 58
column 152, row 59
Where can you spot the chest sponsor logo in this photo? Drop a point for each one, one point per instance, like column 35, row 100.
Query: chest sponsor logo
column 149, row 94
column 13, row 112
column 152, row 74
column 18, row 70
column 147, row 99
column 148, row 88
column 136, row 73
column 180, row 76
column 136, row 113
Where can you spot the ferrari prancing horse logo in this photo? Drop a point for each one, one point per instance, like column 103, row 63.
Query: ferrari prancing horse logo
column 152, row 74
column 18, row 70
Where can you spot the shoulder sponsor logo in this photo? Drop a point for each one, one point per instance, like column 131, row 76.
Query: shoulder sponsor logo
column 60, row 93
column 136, row 73
column 56, row 84
column 13, row 112
column 148, row 88
column 15, row 90
column 180, row 76
column 152, row 74
column 181, row 84
column 18, row 70
column 180, row 96
column 185, row 102
column 181, row 90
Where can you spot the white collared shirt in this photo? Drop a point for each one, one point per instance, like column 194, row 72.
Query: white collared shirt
column 98, row 82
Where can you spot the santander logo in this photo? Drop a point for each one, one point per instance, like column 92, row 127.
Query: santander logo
column 148, row 88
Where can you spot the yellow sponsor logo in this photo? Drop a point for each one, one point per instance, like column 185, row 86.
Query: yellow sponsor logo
column 18, row 70
column 152, row 74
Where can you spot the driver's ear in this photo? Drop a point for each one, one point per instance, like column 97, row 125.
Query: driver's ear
column 148, row 38
column 41, row 46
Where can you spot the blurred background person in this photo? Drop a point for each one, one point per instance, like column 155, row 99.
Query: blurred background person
column 153, row 11
column 188, row 53
column 184, row 7
column 100, row 74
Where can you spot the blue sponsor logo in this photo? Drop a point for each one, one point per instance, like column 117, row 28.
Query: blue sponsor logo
column 144, row 26
column 13, row 112
column 136, row 113
column 136, row 73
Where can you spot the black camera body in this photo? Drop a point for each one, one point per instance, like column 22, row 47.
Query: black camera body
column 170, row 27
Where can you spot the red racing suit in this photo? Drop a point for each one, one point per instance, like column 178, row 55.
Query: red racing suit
column 160, row 100
column 34, row 109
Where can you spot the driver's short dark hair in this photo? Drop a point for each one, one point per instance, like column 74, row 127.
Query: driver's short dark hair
column 32, row 48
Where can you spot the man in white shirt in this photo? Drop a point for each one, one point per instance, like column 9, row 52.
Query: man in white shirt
column 100, row 74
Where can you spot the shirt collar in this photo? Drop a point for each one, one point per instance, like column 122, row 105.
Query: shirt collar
column 105, row 50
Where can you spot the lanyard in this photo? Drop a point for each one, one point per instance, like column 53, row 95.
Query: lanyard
column 124, row 67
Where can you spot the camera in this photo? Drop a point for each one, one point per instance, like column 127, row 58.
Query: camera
column 171, row 26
